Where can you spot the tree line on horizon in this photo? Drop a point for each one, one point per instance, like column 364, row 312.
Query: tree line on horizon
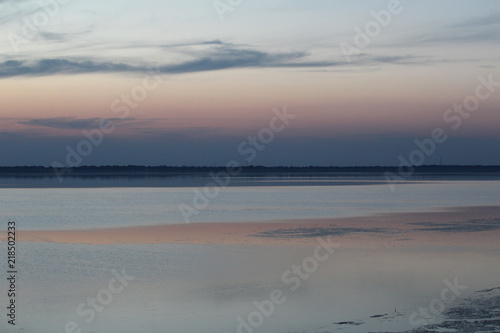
column 247, row 169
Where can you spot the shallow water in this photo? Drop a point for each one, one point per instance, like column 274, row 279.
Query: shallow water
column 77, row 208
column 206, row 288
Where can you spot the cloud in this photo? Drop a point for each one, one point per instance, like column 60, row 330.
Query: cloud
column 225, row 58
column 220, row 58
column 12, row 10
column 491, row 19
column 459, row 37
column 148, row 126
column 63, row 123
column 72, row 123
column 370, row 59
column 11, row 68
column 196, row 43
column 55, row 36
column 484, row 29
column 476, row 30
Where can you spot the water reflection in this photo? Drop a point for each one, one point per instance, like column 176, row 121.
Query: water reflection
column 188, row 288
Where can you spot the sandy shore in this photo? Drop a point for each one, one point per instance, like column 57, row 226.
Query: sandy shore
column 465, row 226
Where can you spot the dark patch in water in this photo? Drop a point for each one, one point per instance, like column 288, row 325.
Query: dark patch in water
column 316, row 232
column 355, row 323
column 378, row 316
column 467, row 226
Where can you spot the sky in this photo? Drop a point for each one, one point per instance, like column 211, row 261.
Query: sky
column 204, row 82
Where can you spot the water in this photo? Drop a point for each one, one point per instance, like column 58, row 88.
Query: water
column 78, row 208
column 205, row 288
column 195, row 288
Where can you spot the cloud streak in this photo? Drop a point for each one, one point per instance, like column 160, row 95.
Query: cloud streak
column 11, row 68
column 63, row 123
column 72, row 123
column 222, row 58
column 475, row 30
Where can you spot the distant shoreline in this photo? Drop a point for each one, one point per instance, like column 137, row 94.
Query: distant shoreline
column 153, row 171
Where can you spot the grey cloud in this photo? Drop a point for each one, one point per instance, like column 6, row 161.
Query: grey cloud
column 492, row 19
column 476, row 30
column 11, row 68
column 54, row 36
column 226, row 58
column 459, row 37
column 403, row 60
column 365, row 59
column 219, row 59
column 63, row 123
column 196, row 43
column 87, row 123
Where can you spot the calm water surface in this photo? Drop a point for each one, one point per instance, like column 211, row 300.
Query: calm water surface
column 77, row 208
column 205, row 288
